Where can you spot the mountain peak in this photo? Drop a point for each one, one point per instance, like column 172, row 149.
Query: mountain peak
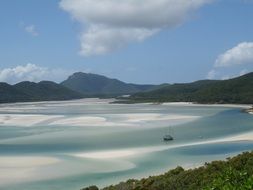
column 94, row 84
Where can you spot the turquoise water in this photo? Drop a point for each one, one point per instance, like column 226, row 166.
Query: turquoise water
column 99, row 143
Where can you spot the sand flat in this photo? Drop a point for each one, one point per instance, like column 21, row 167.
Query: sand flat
column 25, row 120
column 23, row 168
column 127, row 120
column 156, row 117
column 25, row 161
column 89, row 121
column 125, row 153
column 80, row 121
column 110, row 154
column 208, row 105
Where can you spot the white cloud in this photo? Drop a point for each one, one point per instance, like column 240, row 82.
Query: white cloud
column 31, row 29
column 243, row 72
column 226, row 77
column 31, row 72
column 238, row 55
column 215, row 74
column 101, row 39
column 211, row 74
column 112, row 24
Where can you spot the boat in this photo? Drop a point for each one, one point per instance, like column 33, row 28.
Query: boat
column 168, row 137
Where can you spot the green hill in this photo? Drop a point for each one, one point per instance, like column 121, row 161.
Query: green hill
column 236, row 90
column 233, row 174
column 9, row 93
column 79, row 85
column 93, row 84
column 30, row 91
column 47, row 90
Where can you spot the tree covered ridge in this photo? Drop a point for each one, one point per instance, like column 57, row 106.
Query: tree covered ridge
column 97, row 85
column 31, row 91
column 233, row 174
column 236, row 90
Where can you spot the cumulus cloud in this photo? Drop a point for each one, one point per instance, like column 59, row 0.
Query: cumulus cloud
column 31, row 72
column 101, row 39
column 211, row 74
column 112, row 24
column 31, row 29
column 238, row 55
column 242, row 72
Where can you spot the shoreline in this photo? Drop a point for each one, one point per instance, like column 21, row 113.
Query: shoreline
column 114, row 101
column 246, row 106
column 230, row 105
column 185, row 178
column 249, row 110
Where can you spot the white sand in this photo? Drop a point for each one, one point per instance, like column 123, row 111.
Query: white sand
column 20, row 169
column 241, row 137
column 24, row 120
column 25, row 161
column 80, row 121
column 208, row 105
column 57, row 102
column 124, row 153
column 156, row 117
column 121, row 120
column 177, row 103
column 111, row 154
column 28, row 107
column 89, row 121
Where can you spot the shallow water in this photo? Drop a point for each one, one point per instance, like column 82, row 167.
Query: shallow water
column 73, row 144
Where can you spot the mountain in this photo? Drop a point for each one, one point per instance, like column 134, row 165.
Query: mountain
column 47, row 90
column 93, row 84
column 236, row 90
column 9, row 93
column 30, row 91
column 80, row 85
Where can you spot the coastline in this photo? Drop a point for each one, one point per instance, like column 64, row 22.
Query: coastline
column 237, row 170
column 235, row 105
column 249, row 110
column 245, row 106
column 248, row 107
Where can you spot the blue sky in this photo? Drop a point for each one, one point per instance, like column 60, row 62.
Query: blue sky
column 42, row 40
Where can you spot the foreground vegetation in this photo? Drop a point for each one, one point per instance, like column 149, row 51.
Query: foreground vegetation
column 233, row 174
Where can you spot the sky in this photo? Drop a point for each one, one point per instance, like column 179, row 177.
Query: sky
column 136, row 41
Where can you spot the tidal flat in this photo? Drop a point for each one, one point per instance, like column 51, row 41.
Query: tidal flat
column 72, row 144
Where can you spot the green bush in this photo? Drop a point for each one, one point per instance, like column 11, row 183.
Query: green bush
column 233, row 174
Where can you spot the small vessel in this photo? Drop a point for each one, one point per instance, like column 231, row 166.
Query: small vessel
column 168, row 137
